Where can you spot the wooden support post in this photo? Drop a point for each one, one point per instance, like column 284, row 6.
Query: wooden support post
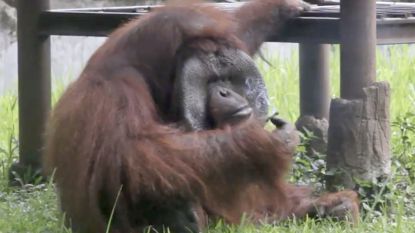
column 34, row 85
column 358, row 47
column 314, row 80
column 314, row 94
column 359, row 133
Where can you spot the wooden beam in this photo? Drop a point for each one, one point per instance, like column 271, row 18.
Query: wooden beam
column 318, row 30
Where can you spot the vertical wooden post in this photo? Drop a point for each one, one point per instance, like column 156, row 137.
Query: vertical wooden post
column 314, row 95
column 358, row 46
column 34, row 84
column 314, row 80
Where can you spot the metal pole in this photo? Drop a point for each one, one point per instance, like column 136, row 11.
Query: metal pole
column 358, row 46
column 34, row 84
column 314, row 80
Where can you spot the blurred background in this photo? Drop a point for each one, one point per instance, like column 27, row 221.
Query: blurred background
column 69, row 54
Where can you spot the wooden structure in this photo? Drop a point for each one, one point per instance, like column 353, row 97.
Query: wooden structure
column 357, row 27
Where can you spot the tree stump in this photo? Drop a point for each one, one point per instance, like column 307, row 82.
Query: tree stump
column 359, row 138
column 319, row 129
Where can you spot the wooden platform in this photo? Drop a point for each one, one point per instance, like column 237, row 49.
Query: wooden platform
column 395, row 22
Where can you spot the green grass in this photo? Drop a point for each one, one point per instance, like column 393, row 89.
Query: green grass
column 30, row 209
column 8, row 134
column 35, row 209
column 395, row 64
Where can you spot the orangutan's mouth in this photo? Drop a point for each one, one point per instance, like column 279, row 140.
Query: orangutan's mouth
column 242, row 112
